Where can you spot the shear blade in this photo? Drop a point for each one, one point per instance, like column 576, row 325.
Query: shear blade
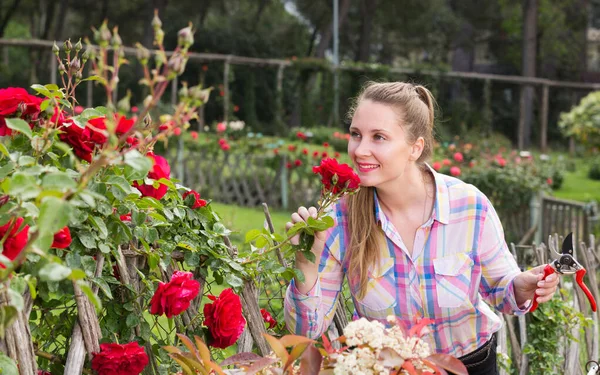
column 567, row 245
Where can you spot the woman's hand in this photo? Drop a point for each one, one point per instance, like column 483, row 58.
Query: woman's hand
column 529, row 283
column 309, row 269
column 302, row 215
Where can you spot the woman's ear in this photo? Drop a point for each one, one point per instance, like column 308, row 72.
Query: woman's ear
column 417, row 149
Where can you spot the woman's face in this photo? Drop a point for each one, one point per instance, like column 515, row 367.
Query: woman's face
column 378, row 145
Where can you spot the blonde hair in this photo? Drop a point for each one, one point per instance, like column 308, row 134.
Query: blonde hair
column 414, row 106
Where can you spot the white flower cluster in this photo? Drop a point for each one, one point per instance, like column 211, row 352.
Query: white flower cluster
column 236, row 125
column 372, row 343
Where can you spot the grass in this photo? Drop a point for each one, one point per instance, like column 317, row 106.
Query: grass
column 578, row 186
column 243, row 219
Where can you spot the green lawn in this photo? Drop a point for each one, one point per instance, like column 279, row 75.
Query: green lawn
column 243, row 219
column 577, row 186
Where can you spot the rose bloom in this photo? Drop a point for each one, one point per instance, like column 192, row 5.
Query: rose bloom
column 16, row 239
column 174, row 297
column 345, row 176
column 291, row 147
column 268, row 318
column 194, row 134
column 304, row 151
column 297, row 162
column 302, row 136
column 225, row 147
column 177, row 131
column 288, row 165
column 62, row 239
column 160, row 169
column 83, row 140
column 197, row 201
column 116, row 359
column 459, row 157
column 446, row 162
column 436, row 165
column 455, row 171
column 224, row 319
column 15, row 100
column 501, row 162
column 221, row 127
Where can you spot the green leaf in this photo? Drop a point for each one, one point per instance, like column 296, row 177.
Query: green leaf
column 45, row 104
column 251, row 235
column 7, row 365
column 87, row 239
column 19, row 125
column 98, row 222
column 54, row 272
column 16, row 299
column 140, row 163
column 3, row 149
column 54, row 215
column 132, row 320
column 103, row 248
column 42, row 90
column 77, row 274
column 220, row 229
column 233, row 280
column 85, row 288
column 59, row 181
column 103, row 286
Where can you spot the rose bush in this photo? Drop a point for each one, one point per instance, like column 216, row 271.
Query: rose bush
column 89, row 211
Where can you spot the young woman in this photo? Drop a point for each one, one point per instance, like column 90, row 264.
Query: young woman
column 412, row 242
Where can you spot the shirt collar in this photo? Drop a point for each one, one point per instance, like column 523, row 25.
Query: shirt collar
column 441, row 210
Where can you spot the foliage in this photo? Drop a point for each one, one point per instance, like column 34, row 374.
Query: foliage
column 583, row 121
column 92, row 173
column 549, row 325
column 594, row 172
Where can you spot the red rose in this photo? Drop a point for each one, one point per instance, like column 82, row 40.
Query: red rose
column 345, row 176
column 458, row 157
column 501, row 161
column 224, row 319
column 436, row 165
column 124, row 124
column 62, row 239
column 221, row 126
column 160, row 169
column 16, row 100
column 194, row 134
column 288, row 165
column 236, row 108
column 291, row 147
column 16, row 239
column 325, row 144
column 455, row 171
column 126, row 217
column 301, row 135
column 268, row 318
column 197, row 202
column 446, row 162
column 177, row 131
column 84, row 140
column 42, row 372
column 78, row 109
column 134, row 109
column 116, row 359
column 225, row 147
column 174, row 297
column 305, row 151
column 297, row 162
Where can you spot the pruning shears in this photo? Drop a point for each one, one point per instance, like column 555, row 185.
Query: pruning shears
column 566, row 265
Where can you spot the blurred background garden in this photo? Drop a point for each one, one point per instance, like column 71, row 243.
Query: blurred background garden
column 516, row 87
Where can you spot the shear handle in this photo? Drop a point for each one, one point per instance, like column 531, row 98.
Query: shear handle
column 579, row 277
column 548, row 270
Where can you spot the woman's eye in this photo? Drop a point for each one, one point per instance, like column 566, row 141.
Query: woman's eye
column 354, row 134
column 378, row 137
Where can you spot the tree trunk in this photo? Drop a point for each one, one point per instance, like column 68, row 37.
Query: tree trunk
column 367, row 11
column 528, row 70
column 4, row 18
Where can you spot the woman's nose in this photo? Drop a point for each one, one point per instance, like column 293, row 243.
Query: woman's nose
column 362, row 149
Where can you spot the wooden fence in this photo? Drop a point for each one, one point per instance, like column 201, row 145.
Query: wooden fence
column 229, row 60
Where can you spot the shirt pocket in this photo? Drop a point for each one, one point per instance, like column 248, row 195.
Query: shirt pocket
column 380, row 297
column 453, row 279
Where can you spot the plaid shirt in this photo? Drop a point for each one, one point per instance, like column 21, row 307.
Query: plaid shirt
column 459, row 267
